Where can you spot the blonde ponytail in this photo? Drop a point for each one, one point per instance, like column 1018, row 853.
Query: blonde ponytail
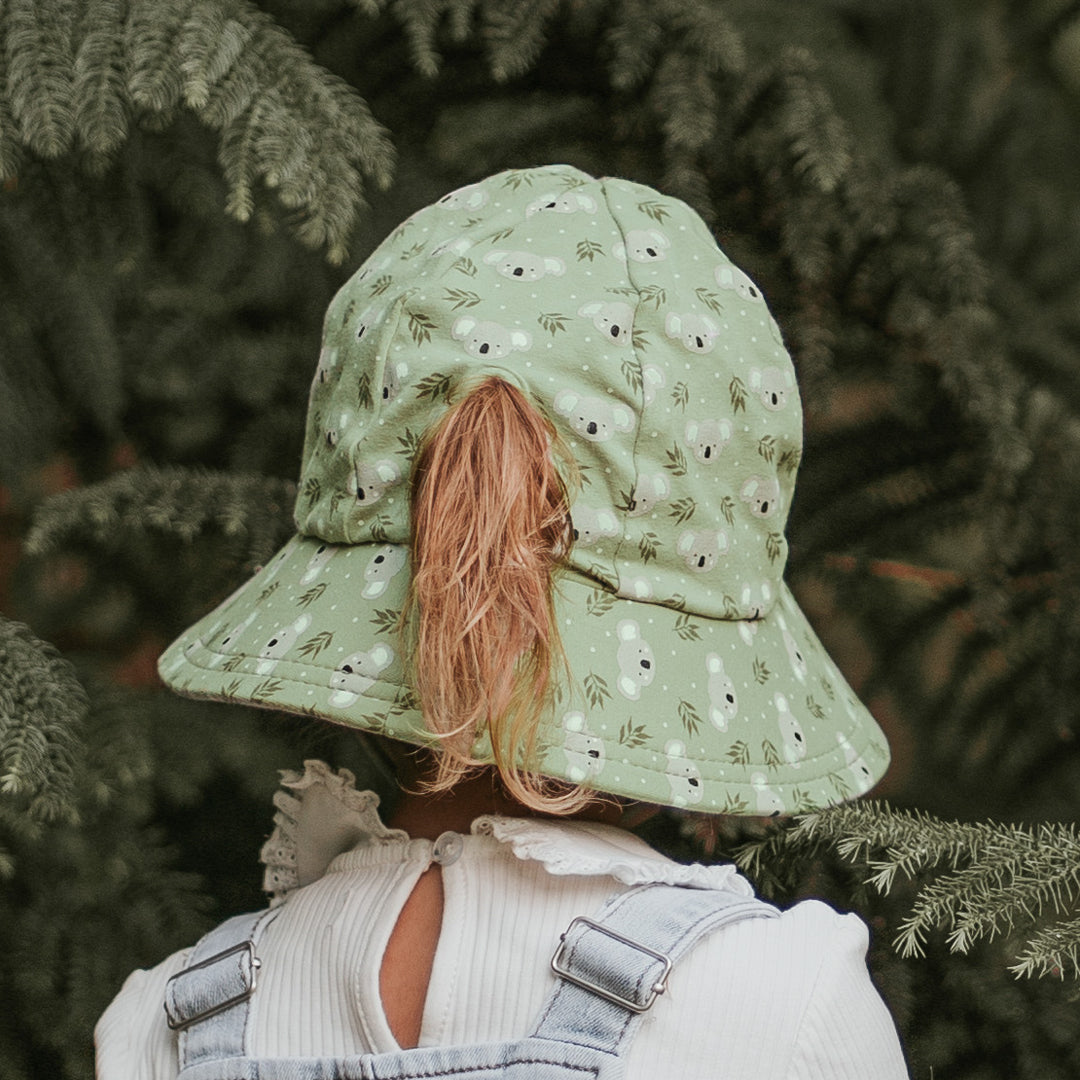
column 490, row 522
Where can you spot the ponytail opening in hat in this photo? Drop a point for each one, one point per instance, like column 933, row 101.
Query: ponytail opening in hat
column 490, row 524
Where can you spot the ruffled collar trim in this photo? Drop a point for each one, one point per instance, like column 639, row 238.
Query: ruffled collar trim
column 590, row 849
column 320, row 815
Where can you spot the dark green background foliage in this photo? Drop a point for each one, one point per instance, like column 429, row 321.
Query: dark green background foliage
column 184, row 185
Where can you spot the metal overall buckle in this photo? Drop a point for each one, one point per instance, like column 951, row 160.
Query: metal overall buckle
column 178, row 1023
column 558, row 965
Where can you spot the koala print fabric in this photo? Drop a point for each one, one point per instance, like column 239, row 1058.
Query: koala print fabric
column 612, row 308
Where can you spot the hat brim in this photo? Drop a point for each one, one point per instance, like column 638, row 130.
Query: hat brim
column 716, row 715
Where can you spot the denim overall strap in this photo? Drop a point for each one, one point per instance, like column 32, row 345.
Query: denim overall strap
column 208, row 1001
column 610, row 969
column 613, row 967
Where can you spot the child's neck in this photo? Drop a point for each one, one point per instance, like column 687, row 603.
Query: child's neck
column 425, row 816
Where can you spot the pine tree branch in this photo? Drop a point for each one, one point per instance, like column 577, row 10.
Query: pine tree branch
column 635, row 39
column 684, row 96
column 1054, row 950
column 420, row 19
column 784, row 114
column 706, row 31
column 515, row 34
column 101, row 105
column 284, row 119
column 1000, row 878
column 308, row 134
column 1008, row 884
column 154, row 79
column 38, row 43
column 42, row 707
column 10, row 144
column 173, row 502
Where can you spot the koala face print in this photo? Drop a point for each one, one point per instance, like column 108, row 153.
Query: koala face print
column 584, row 752
column 650, row 489
column 701, row 548
column 339, row 425
column 356, row 673
column 772, row 385
column 791, row 732
column 370, row 481
column 233, row 635
column 754, row 603
column 731, row 277
column 767, row 801
column 684, row 778
column 384, row 564
column 642, row 245
column 706, row 438
column 279, row 643
column 229, row 640
column 524, row 265
column 328, row 361
column 393, row 376
column 364, row 323
column 652, row 379
column 489, row 340
column 469, row 197
column 614, row 320
column 861, row 776
column 591, row 526
column 723, row 703
column 317, row 563
column 798, row 661
column 845, row 744
column 569, row 202
column 637, row 666
column 634, row 588
column 762, row 495
column 696, row 333
column 593, row 418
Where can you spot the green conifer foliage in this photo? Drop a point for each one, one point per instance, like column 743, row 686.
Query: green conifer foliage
column 77, row 73
column 42, row 705
column 184, row 186
column 998, row 878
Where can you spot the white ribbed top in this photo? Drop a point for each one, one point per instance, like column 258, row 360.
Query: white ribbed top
column 764, row 998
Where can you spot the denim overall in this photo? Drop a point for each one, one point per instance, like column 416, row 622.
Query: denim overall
column 610, row 970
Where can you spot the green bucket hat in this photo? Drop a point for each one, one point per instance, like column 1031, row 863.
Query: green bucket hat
column 696, row 681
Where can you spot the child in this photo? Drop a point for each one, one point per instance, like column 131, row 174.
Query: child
column 551, row 447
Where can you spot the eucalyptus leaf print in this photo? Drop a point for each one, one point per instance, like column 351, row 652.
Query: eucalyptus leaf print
column 385, row 620
column 436, row 386
column 596, row 690
column 552, row 321
column 589, row 249
column 737, row 393
column 420, row 326
column 461, row 298
column 363, row 391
